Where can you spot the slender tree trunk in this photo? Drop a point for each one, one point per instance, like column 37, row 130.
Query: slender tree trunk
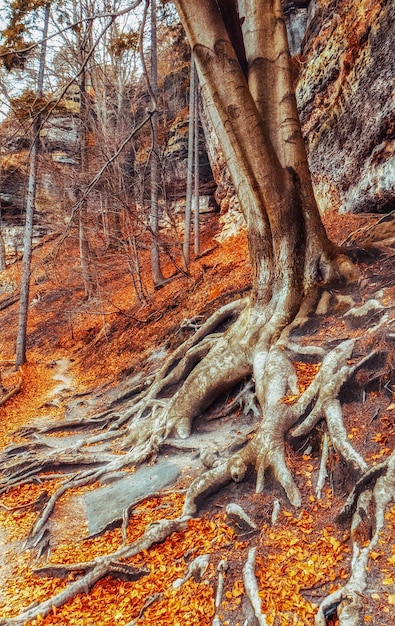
column 30, row 204
column 196, row 233
column 188, row 202
column 157, row 275
column 3, row 263
column 132, row 257
column 83, row 225
column 114, row 221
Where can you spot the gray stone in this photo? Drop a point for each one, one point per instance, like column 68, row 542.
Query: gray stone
column 105, row 506
column 295, row 14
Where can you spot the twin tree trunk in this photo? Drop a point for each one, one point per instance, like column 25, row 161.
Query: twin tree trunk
column 244, row 65
column 242, row 56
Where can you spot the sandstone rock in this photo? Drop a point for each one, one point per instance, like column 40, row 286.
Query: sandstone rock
column 176, row 160
column 345, row 96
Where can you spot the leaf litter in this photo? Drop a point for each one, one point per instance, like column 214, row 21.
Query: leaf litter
column 300, row 560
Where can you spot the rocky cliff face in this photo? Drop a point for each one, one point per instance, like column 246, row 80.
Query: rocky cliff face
column 296, row 15
column 345, row 96
column 175, row 160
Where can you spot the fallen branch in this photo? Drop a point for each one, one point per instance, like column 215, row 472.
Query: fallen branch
column 4, row 304
column 150, row 600
column 12, row 392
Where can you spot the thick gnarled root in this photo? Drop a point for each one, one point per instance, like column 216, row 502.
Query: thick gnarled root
column 204, row 367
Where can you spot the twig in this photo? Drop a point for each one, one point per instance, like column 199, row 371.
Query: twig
column 154, row 598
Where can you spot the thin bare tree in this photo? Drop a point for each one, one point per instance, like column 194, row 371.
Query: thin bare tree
column 196, row 233
column 30, row 206
column 188, row 201
column 157, row 275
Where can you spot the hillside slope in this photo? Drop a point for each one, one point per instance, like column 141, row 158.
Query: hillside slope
column 83, row 358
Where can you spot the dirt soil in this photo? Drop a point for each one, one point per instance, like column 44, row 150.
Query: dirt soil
column 83, row 355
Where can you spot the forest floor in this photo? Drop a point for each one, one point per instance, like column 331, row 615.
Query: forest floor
column 81, row 355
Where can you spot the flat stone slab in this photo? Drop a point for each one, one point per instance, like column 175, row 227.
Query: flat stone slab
column 105, row 505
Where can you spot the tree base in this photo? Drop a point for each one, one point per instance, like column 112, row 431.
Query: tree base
column 262, row 358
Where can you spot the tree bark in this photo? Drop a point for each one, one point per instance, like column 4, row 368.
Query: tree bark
column 186, row 248
column 270, row 80
column 30, row 205
column 196, row 228
column 271, row 181
column 83, row 230
column 157, row 275
column 3, row 263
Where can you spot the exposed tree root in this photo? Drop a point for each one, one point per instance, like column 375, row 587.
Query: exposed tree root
column 347, row 599
column 323, row 473
column 222, row 568
column 97, row 569
column 256, row 352
column 251, row 587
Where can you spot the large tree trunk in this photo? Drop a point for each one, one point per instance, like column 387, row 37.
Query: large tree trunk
column 246, row 78
column 254, row 114
column 250, row 159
